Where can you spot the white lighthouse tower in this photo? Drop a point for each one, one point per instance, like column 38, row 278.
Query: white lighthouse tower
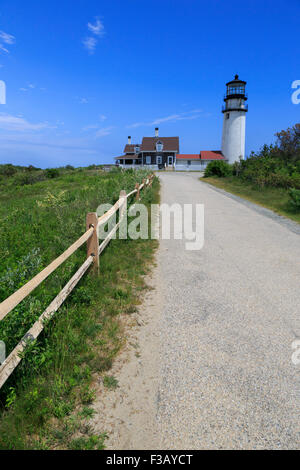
column 234, row 124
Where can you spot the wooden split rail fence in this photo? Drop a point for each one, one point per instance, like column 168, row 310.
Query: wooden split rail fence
column 93, row 253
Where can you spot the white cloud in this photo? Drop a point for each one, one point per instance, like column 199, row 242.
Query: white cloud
column 83, row 100
column 35, row 147
column 90, row 44
column 90, row 127
column 173, row 117
column 6, row 38
column 30, row 86
column 15, row 123
column 97, row 28
column 103, row 132
column 3, row 49
column 195, row 114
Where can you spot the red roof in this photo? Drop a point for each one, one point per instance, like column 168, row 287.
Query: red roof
column 188, row 156
column 211, row 155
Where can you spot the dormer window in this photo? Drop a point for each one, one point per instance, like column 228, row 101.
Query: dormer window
column 137, row 149
column 159, row 146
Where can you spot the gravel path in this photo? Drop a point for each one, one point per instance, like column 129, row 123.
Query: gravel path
column 229, row 317
column 213, row 368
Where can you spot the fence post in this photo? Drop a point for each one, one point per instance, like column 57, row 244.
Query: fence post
column 122, row 217
column 123, row 208
column 137, row 186
column 93, row 243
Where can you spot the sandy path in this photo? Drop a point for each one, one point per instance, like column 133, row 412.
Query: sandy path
column 214, row 337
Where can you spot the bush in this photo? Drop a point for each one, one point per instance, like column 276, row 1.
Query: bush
column 295, row 199
column 32, row 168
column 274, row 165
column 218, row 168
column 22, row 179
column 7, row 170
column 52, row 173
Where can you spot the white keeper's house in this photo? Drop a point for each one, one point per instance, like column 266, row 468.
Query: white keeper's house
column 163, row 152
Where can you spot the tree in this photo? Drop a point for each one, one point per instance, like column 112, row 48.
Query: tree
column 288, row 143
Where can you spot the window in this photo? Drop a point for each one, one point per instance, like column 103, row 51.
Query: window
column 227, row 116
column 159, row 146
column 137, row 149
column 189, row 162
column 159, row 160
column 148, row 160
column 236, row 90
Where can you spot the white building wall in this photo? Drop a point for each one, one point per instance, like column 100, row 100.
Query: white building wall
column 181, row 165
column 139, row 167
column 233, row 139
column 224, row 134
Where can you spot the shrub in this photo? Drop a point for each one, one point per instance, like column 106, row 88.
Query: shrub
column 7, row 170
column 274, row 165
column 31, row 168
column 52, row 173
column 218, row 168
column 22, row 179
column 295, row 199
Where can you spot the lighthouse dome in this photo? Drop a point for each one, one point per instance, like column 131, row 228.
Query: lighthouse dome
column 236, row 89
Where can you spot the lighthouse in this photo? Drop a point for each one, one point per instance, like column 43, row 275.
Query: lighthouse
column 234, row 123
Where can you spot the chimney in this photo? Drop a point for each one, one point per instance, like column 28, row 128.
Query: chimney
column 129, row 140
column 156, row 132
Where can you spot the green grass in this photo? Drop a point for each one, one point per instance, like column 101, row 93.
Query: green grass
column 110, row 382
column 88, row 443
column 46, row 403
column 276, row 199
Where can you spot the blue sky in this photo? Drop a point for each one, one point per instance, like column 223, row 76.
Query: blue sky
column 83, row 75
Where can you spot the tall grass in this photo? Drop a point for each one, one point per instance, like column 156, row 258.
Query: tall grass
column 276, row 199
column 40, row 401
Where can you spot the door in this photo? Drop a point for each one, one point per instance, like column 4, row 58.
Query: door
column 170, row 160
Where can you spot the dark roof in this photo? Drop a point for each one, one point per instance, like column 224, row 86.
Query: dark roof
column 211, row 155
column 188, row 156
column 130, row 148
column 121, row 156
column 130, row 157
column 169, row 143
column 236, row 80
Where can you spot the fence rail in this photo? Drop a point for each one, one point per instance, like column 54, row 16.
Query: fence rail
column 93, row 252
